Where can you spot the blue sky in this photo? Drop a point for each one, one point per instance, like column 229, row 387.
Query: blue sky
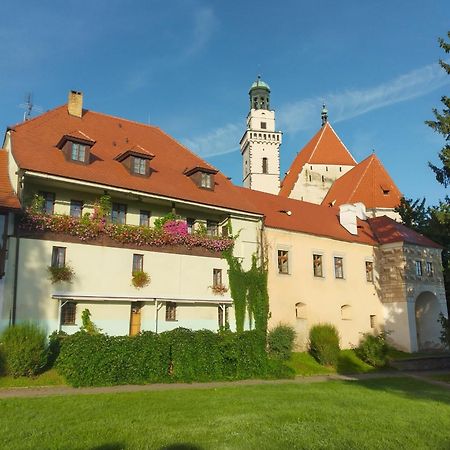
column 186, row 66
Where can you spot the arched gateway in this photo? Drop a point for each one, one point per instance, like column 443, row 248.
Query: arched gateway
column 427, row 310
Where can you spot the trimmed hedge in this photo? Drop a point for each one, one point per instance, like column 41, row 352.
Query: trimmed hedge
column 180, row 355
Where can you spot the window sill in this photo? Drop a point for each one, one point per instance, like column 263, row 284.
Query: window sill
column 171, row 320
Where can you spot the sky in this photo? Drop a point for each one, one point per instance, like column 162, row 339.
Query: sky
column 186, row 66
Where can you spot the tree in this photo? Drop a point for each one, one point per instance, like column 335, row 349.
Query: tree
column 441, row 125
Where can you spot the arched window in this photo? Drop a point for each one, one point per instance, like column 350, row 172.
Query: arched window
column 264, row 165
column 346, row 312
column 300, row 310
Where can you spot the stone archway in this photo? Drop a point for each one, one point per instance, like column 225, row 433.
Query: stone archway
column 428, row 329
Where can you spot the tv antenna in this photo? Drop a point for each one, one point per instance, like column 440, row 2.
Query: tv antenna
column 29, row 107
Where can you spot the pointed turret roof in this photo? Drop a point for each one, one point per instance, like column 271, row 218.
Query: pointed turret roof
column 369, row 183
column 324, row 148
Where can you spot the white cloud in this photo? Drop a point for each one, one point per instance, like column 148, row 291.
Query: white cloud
column 352, row 103
column 345, row 105
column 217, row 142
column 205, row 23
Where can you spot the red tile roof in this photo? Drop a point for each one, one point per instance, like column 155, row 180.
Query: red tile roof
column 8, row 199
column 388, row 231
column 324, row 148
column 34, row 148
column 305, row 217
column 369, row 183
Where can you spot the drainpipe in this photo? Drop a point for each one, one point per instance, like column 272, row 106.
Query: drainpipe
column 16, row 271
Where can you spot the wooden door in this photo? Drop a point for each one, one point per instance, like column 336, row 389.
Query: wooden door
column 135, row 319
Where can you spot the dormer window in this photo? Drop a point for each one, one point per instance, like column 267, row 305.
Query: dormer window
column 78, row 152
column 76, row 147
column 206, row 180
column 203, row 177
column 139, row 165
column 136, row 161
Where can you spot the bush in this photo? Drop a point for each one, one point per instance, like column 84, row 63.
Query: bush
column 324, row 344
column 445, row 330
column 55, row 341
column 2, row 362
column 25, row 349
column 373, row 349
column 280, row 341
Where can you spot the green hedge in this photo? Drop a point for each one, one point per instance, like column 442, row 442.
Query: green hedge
column 180, row 355
column 324, row 344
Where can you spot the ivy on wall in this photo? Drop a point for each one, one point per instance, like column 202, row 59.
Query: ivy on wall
column 249, row 292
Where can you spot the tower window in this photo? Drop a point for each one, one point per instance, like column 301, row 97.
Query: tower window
column 264, row 165
column 418, row 268
column 317, row 266
column 263, row 125
column 338, row 267
column 283, row 261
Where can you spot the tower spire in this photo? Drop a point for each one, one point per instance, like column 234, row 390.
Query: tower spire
column 324, row 114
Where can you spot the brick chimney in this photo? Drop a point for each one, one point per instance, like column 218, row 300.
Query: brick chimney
column 75, row 104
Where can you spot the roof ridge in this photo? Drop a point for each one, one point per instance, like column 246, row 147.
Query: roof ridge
column 24, row 122
column 317, row 143
column 339, row 139
column 361, row 177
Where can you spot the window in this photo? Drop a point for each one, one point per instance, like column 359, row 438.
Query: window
column 138, row 263
column 283, row 261
column 222, row 316
column 190, row 225
column 264, row 165
column 225, row 231
column 144, row 218
column 139, row 166
column 338, row 267
column 49, row 202
column 118, row 213
column 300, row 310
column 317, row 265
column 429, row 268
column 346, row 312
column 217, row 277
column 369, row 271
column 78, row 152
column 373, row 321
column 263, row 125
column 419, row 268
column 59, row 257
column 68, row 313
column 205, row 181
column 211, row 227
column 171, row 311
column 76, row 208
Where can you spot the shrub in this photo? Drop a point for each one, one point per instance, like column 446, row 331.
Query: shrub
column 324, row 344
column 445, row 330
column 55, row 341
column 280, row 341
column 25, row 349
column 373, row 349
column 2, row 362
column 88, row 326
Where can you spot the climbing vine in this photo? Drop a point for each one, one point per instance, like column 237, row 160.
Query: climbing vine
column 249, row 291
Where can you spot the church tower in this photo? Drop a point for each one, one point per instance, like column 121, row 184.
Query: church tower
column 260, row 145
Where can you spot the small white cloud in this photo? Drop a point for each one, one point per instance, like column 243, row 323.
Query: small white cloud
column 205, row 23
column 216, row 142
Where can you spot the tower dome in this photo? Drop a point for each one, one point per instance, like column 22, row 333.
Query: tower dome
column 259, row 95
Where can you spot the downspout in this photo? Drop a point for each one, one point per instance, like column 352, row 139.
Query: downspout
column 16, row 271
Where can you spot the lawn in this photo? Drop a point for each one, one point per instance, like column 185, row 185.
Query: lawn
column 372, row 414
column 48, row 378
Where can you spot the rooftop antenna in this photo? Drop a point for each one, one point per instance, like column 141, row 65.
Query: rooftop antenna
column 29, row 107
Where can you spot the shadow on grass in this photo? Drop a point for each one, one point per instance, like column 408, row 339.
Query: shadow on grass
column 110, row 446
column 181, row 447
column 407, row 387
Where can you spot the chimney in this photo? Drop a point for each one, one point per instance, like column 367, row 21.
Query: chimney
column 348, row 215
column 75, row 104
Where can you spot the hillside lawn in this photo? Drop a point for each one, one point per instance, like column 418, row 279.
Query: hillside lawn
column 388, row 413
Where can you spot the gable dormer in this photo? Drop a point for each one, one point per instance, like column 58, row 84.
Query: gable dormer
column 203, row 177
column 76, row 147
column 136, row 161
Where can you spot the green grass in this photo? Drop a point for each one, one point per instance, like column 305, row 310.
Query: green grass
column 371, row 414
column 305, row 365
column 49, row 378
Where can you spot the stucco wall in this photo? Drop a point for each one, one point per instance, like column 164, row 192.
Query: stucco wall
column 323, row 297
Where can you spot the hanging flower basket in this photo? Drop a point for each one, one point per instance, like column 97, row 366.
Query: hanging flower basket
column 219, row 289
column 57, row 274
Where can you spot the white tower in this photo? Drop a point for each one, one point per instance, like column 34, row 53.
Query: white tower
column 260, row 145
